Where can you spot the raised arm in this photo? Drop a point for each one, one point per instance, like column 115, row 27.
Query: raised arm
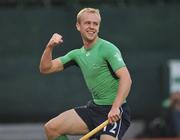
column 47, row 64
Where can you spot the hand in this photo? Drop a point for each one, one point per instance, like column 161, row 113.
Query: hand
column 114, row 115
column 55, row 40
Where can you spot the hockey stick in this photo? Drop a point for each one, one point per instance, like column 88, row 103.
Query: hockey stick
column 95, row 130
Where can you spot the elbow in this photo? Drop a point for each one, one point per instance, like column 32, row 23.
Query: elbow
column 130, row 81
column 42, row 70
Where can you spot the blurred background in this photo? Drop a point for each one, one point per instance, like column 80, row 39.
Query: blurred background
column 147, row 33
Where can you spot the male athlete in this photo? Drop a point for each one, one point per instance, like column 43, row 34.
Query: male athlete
column 106, row 76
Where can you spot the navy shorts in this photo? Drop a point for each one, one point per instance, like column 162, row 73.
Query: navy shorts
column 93, row 115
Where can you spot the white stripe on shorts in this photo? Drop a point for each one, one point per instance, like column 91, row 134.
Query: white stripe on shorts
column 119, row 123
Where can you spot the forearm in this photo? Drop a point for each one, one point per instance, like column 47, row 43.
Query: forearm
column 123, row 91
column 47, row 65
column 46, row 59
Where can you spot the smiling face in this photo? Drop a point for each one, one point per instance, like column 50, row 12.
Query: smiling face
column 88, row 24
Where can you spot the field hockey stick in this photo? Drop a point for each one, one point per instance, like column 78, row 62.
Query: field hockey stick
column 95, row 130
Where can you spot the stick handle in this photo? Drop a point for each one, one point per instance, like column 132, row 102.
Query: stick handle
column 95, row 130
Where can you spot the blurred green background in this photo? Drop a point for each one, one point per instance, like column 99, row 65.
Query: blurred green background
column 147, row 33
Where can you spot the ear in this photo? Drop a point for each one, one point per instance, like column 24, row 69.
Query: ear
column 77, row 26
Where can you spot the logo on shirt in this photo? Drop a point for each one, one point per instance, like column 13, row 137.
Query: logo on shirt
column 88, row 53
column 118, row 57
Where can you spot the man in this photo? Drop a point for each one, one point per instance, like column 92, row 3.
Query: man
column 106, row 76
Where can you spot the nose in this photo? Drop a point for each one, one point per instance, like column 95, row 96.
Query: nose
column 91, row 26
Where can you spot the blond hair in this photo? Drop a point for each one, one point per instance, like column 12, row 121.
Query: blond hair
column 88, row 10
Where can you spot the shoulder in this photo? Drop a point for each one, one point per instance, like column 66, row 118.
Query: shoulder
column 108, row 47
column 105, row 42
column 74, row 52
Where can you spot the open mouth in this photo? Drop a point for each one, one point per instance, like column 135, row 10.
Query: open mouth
column 91, row 32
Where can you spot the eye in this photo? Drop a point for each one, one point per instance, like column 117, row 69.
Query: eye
column 88, row 22
column 96, row 23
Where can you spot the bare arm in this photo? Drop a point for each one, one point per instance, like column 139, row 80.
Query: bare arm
column 47, row 64
column 123, row 91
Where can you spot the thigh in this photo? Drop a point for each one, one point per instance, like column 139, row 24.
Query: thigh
column 69, row 122
column 112, row 130
column 118, row 129
column 107, row 137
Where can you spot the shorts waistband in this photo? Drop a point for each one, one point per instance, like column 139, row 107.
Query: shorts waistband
column 92, row 103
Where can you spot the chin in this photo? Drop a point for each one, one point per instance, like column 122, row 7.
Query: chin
column 91, row 38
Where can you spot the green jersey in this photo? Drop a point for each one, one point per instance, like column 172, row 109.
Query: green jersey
column 98, row 65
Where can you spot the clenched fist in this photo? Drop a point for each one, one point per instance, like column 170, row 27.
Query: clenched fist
column 55, row 40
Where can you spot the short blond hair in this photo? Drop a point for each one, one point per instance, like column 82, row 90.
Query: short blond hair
column 88, row 10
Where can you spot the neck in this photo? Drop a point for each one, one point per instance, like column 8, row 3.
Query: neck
column 89, row 44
